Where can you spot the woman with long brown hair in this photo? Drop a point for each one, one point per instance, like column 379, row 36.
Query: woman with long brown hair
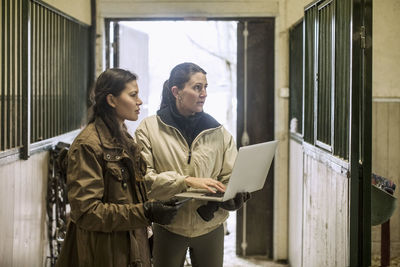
column 110, row 210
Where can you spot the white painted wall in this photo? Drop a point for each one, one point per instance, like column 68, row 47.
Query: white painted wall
column 386, row 109
column 385, row 162
column 385, row 49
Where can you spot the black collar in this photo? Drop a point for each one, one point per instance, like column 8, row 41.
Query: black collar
column 198, row 122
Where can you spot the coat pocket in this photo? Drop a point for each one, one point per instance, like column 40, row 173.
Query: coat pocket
column 116, row 184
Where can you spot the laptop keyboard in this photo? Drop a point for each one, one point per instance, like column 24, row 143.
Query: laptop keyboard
column 216, row 194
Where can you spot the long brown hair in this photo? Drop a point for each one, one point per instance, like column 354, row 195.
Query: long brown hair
column 111, row 81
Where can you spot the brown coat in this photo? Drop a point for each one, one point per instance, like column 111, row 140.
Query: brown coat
column 106, row 192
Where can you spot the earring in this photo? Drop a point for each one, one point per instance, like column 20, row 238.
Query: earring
column 180, row 99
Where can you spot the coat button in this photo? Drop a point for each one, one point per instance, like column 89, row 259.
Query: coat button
column 124, row 185
column 122, row 170
column 108, row 156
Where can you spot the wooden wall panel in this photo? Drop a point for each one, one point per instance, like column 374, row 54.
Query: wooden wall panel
column 6, row 214
column 385, row 161
column 295, row 203
column 23, row 187
column 325, row 219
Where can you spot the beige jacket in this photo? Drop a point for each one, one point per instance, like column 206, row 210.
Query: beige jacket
column 170, row 160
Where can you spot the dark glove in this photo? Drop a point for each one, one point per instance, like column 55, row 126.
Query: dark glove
column 206, row 211
column 236, row 202
column 160, row 212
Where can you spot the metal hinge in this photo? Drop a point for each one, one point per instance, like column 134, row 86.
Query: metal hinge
column 362, row 37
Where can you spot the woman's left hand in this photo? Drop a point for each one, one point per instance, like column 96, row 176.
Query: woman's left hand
column 236, row 202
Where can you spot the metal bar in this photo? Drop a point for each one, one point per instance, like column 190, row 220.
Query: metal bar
column 68, row 71
column 315, row 74
column 41, row 69
column 26, row 54
column 116, row 45
column 367, row 132
column 11, row 113
column 360, row 227
column 46, row 75
column 2, row 76
column 63, row 75
column 49, row 85
column 8, row 78
column 19, row 77
column 32, row 66
column 51, row 76
column 107, row 41
column 92, row 50
column 58, row 79
column 309, row 82
column 332, row 77
column 73, row 72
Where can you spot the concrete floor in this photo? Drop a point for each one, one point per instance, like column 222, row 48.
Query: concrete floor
column 230, row 257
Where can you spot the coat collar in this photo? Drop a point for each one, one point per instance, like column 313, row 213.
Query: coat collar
column 106, row 139
column 169, row 116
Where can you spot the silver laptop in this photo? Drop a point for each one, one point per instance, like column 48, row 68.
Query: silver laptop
column 248, row 174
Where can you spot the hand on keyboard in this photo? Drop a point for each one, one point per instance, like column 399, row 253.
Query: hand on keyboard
column 209, row 184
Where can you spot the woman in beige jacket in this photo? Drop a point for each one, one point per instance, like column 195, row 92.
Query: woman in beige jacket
column 186, row 149
column 110, row 212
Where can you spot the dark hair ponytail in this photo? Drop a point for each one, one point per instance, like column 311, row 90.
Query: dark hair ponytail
column 167, row 97
column 178, row 77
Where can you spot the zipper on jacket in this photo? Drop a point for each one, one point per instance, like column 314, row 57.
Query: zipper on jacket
column 190, row 156
column 197, row 137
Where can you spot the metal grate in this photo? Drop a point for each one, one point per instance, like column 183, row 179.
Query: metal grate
column 59, row 73
column 11, row 74
column 309, row 73
column 44, row 75
column 327, row 76
column 342, row 79
column 325, row 85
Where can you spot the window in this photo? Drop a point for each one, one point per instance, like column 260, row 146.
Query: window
column 327, row 76
column 53, row 67
column 296, row 78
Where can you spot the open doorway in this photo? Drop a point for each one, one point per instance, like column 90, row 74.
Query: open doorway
column 152, row 48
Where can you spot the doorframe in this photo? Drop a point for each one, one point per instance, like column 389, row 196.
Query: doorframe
column 361, row 134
